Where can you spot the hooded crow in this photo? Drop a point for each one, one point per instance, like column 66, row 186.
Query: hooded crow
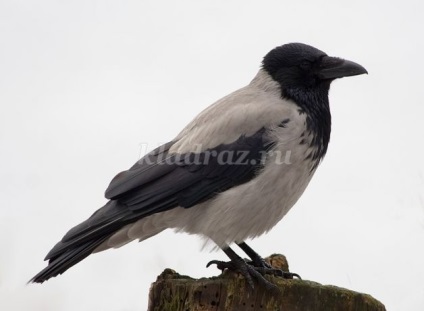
column 231, row 174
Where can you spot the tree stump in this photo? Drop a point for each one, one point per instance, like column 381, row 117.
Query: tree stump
column 230, row 292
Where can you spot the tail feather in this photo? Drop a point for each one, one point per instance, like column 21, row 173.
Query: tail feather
column 83, row 239
column 66, row 260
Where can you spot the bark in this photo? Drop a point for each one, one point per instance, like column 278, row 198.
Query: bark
column 229, row 292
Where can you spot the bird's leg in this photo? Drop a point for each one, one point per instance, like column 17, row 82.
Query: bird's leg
column 238, row 264
column 257, row 260
column 262, row 266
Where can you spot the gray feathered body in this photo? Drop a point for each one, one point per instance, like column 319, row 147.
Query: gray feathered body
column 252, row 208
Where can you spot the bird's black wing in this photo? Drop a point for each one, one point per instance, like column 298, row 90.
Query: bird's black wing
column 158, row 182
column 161, row 180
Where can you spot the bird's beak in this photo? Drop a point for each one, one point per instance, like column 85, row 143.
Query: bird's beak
column 333, row 68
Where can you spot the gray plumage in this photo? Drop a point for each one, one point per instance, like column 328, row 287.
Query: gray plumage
column 197, row 183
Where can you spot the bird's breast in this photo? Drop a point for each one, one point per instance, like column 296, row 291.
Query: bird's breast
column 253, row 208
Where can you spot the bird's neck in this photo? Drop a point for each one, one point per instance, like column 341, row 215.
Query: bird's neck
column 315, row 104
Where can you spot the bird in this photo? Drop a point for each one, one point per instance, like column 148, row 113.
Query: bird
column 230, row 175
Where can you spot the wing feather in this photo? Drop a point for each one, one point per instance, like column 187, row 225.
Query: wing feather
column 189, row 178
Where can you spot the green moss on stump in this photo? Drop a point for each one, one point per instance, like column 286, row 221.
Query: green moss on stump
column 229, row 292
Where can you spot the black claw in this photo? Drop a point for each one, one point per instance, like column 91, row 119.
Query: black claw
column 277, row 272
column 260, row 263
column 236, row 265
column 211, row 263
column 256, row 269
column 249, row 272
column 266, row 268
column 221, row 265
column 291, row 275
column 262, row 266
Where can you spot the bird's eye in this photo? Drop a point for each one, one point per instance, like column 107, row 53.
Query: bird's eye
column 305, row 64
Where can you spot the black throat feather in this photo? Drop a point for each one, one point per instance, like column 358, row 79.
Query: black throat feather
column 315, row 104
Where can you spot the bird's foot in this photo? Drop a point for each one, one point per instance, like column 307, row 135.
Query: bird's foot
column 249, row 272
column 264, row 267
column 277, row 272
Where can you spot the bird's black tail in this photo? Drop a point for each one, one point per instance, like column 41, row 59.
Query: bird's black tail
column 66, row 260
column 82, row 240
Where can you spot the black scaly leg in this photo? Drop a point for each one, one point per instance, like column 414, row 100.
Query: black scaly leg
column 238, row 264
column 259, row 262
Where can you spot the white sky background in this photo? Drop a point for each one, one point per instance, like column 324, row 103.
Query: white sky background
column 84, row 83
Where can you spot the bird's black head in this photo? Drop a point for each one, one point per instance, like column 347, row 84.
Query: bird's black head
column 300, row 66
column 304, row 74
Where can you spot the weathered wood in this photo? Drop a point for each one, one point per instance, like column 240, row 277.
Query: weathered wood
column 229, row 292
